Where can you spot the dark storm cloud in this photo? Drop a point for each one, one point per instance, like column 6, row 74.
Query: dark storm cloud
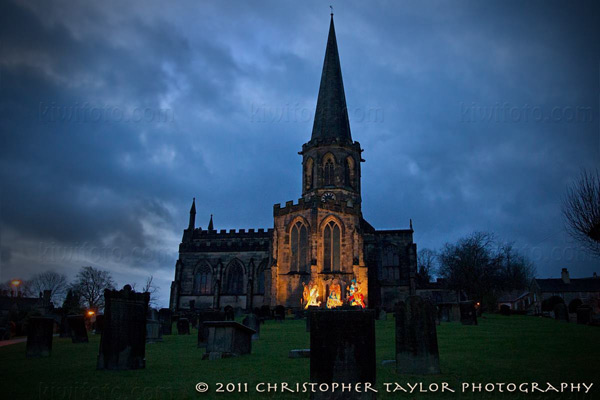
column 115, row 116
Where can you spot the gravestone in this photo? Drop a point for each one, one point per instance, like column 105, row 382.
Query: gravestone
column 252, row 322
column 416, row 337
column 308, row 311
column 99, row 324
column 39, row 336
column 78, row 329
column 203, row 317
column 123, row 341
column 229, row 313
column 468, row 314
column 153, row 332
column 227, row 339
column 183, row 326
column 165, row 316
column 342, row 350
column 299, row 313
column 265, row 312
column 584, row 314
column 280, row 313
column 561, row 312
column 382, row 315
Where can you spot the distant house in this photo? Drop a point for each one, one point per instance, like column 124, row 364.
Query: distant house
column 572, row 292
column 516, row 300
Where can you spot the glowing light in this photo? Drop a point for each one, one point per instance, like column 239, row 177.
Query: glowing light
column 16, row 282
column 355, row 296
column 90, row 313
column 310, row 295
column 335, row 296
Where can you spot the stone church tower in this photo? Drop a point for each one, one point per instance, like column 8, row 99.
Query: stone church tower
column 319, row 241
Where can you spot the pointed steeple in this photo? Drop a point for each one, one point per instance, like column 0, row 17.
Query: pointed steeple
column 210, row 224
column 193, row 215
column 331, row 116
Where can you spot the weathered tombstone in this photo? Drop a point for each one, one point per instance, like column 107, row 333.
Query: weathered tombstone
column 229, row 313
column 299, row 313
column 265, row 312
column 561, row 312
column 342, row 350
column 99, row 323
column 252, row 322
column 39, row 336
column 280, row 313
column 227, row 339
column 165, row 316
column 416, row 337
column 505, row 310
column 64, row 329
column 468, row 314
column 584, row 314
column 183, row 326
column 203, row 317
column 382, row 315
column 78, row 329
column 123, row 341
column 153, row 332
column 308, row 311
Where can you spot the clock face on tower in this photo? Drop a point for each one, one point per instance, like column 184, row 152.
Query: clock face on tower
column 327, row 196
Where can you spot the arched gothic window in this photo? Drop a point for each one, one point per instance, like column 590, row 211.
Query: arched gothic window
column 390, row 263
column 203, row 280
column 331, row 247
column 234, row 279
column 260, row 277
column 299, row 247
column 328, row 172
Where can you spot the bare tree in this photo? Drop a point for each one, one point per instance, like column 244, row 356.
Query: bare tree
column 581, row 209
column 49, row 280
column 90, row 283
column 517, row 271
column 426, row 265
column 152, row 289
column 23, row 287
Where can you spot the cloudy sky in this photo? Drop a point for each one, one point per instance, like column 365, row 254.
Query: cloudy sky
column 114, row 115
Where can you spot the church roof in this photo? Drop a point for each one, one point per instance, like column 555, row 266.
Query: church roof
column 331, row 115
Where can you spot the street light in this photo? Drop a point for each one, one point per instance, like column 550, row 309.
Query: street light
column 15, row 283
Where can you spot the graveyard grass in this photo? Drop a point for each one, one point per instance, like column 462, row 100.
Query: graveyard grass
column 500, row 349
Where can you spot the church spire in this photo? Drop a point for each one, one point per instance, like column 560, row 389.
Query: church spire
column 331, row 116
column 210, row 224
column 193, row 215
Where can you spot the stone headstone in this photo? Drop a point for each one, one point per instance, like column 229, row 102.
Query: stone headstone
column 252, row 322
column 468, row 314
column 183, row 326
column 153, row 331
column 99, row 324
column 299, row 313
column 227, row 339
column 382, row 315
column 265, row 312
column 206, row 316
column 123, row 341
column 308, row 311
column 561, row 312
column 342, row 350
column 165, row 316
column 584, row 314
column 279, row 313
column 39, row 336
column 78, row 329
column 416, row 337
column 229, row 313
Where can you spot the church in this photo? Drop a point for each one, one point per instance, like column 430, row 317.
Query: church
column 320, row 251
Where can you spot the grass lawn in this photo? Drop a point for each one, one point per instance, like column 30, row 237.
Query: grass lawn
column 500, row 349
